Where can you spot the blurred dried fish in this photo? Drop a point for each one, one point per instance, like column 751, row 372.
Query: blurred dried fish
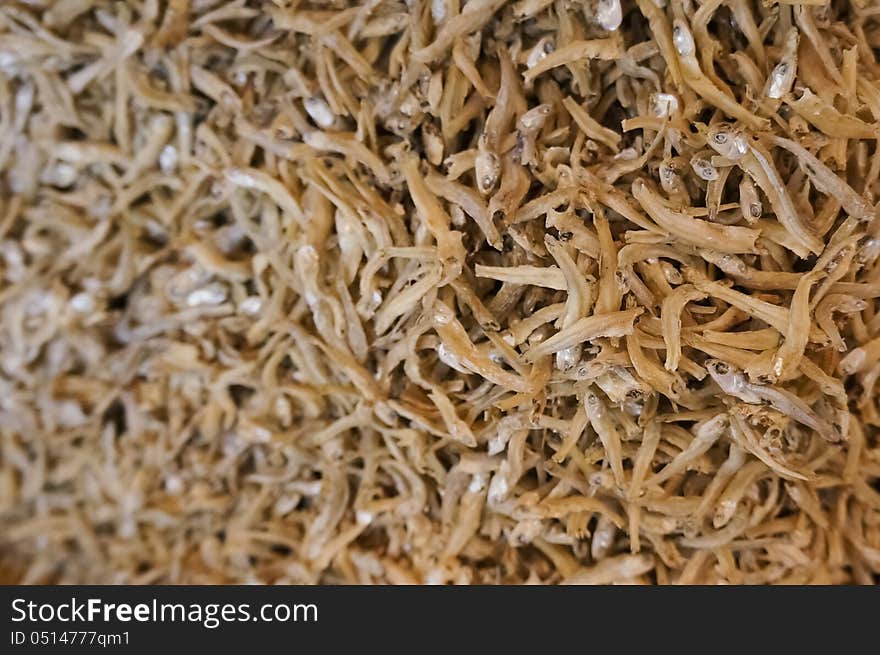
column 439, row 292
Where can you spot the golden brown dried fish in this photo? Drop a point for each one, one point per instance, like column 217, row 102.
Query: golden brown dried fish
column 439, row 292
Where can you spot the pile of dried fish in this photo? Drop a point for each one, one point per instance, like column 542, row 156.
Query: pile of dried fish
column 454, row 291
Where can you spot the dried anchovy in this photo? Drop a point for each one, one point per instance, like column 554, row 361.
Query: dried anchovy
column 479, row 292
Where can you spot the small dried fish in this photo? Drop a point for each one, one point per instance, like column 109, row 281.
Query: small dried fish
column 474, row 292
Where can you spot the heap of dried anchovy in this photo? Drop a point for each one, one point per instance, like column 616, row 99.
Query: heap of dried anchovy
column 452, row 291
